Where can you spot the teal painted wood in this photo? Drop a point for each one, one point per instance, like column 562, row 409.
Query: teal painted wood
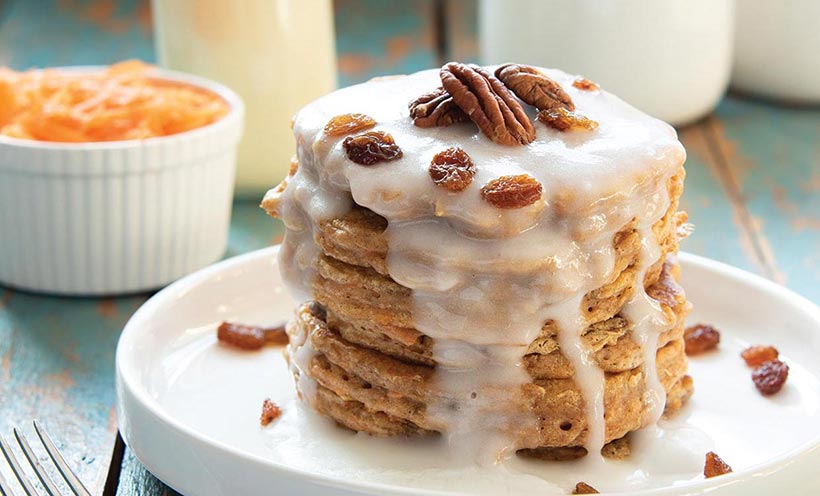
column 56, row 365
column 461, row 39
column 40, row 33
column 375, row 38
column 773, row 155
column 252, row 229
column 716, row 234
column 135, row 480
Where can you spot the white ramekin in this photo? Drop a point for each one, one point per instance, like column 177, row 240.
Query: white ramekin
column 117, row 217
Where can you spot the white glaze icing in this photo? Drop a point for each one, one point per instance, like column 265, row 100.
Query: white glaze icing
column 485, row 280
column 300, row 354
column 648, row 322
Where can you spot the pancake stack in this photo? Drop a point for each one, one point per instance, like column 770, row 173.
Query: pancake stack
column 360, row 357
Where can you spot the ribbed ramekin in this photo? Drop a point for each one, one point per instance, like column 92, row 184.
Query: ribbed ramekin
column 117, row 217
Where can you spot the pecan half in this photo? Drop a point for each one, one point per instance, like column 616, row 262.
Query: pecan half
column 534, row 87
column 436, row 109
column 488, row 103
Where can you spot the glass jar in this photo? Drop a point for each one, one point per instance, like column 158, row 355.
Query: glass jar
column 277, row 54
column 670, row 58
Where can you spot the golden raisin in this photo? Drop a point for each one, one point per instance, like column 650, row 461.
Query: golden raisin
column 241, row 336
column 512, row 191
column 585, row 84
column 270, row 412
column 666, row 290
column 758, row 355
column 452, row 169
column 248, row 337
column 348, row 124
column 584, row 488
column 564, row 120
column 371, row 147
column 770, row 377
column 715, row 466
column 276, row 335
column 700, row 338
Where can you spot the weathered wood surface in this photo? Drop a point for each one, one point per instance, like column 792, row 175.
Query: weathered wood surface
column 771, row 155
column 39, row 33
column 135, row 480
column 375, row 38
column 56, row 365
column 752, row 191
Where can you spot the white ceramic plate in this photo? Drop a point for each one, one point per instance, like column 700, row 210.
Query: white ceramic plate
column 189, row 407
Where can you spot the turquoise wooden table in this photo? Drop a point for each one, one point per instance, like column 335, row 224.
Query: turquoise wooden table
column 753, row 192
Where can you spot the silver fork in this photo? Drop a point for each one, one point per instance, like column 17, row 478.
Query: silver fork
column 71, row 480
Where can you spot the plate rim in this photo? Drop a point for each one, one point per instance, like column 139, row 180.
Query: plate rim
column 123, row 379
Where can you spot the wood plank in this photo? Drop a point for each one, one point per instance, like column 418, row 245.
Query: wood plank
column 461, row 22
column 57, row 366
column 718, row 233
column 74, row 32
column 136, row 480
column 252, row 228
column 751, row 232
column 772, row 159
column 375, row 38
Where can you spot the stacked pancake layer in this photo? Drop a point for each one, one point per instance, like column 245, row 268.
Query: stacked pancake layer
column 552, row 331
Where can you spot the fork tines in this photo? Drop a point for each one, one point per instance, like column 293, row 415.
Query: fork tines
column 51, row 488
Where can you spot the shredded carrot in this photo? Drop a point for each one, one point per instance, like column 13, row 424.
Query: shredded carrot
column 123, row 102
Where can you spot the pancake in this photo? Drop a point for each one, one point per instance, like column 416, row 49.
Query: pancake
column 395, row 394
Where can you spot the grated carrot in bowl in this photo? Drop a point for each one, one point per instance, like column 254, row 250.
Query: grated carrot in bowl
column 126, row 101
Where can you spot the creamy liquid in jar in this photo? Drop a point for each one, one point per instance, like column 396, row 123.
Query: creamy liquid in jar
column 277, row 56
